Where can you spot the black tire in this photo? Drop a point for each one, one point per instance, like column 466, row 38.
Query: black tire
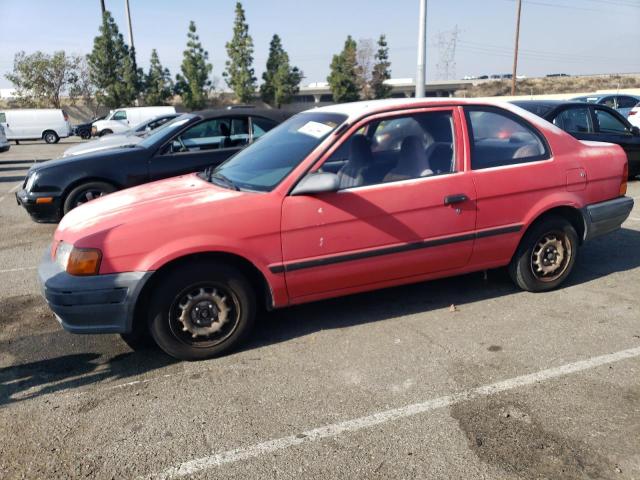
column 214, row 287
column 140, row 338
column 550, row 244
column 104, row 132
column 50, row 137
column 84, row 193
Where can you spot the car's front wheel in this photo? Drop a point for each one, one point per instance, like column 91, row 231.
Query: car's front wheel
column 546, row 255
column 85, row 193
column 201, row 310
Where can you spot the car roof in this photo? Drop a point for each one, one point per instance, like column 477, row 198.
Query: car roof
column 273, row 114
column 358, row 109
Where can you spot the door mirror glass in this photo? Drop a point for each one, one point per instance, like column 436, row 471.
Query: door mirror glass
column 635, row 130
column 319, row 182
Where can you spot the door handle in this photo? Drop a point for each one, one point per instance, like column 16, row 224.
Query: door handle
column 456, row 198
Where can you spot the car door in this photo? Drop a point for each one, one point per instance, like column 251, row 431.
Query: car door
column 513, row 171
column 399, row 212
column 209, row 142
column 611, row 127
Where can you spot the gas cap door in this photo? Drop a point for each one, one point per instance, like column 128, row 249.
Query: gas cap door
column 576, row 179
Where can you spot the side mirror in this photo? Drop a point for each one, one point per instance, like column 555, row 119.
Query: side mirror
column 318, row 182
column 635, row 130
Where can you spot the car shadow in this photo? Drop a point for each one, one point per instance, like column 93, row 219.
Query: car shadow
column 617, row 252
column 65, row 372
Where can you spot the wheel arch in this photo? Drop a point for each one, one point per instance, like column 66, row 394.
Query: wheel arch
column 44, row 132
column 82, row 180
column 259, row 282
column 570, row 213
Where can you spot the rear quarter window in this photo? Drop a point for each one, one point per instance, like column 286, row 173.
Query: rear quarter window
column 499, row 138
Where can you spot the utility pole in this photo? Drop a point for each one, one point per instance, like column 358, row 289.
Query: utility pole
column 129, row 21
column 102, row 7
column 422, row 50
column 515, row 51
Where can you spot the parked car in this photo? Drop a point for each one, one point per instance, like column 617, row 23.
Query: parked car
column 621, row 103
column 4, row 143
column 123, row 119
column 128, row 138
column 188, row 144
column 593, row 122
column 83, row 130
column 634, row 116
column 315, row 210
column 49, row 124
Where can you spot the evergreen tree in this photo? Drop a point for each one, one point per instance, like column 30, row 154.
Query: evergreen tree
column 381, row 70
column 239, row 72
column 343, row 79
column 193, row 84
column 111, row 68
column 132, row 77
column 281, row 81
column 157, row 83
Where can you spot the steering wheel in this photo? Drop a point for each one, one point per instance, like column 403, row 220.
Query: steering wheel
column 183, row 147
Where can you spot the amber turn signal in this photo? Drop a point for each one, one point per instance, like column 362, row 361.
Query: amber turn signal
column 44, row 200
column 84, row 261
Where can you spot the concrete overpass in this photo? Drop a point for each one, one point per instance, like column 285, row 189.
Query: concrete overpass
column 319, row 93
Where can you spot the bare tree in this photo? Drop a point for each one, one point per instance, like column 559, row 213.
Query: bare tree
column 365, row 60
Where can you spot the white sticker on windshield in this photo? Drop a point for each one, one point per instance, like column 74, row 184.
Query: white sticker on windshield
column 315, row 129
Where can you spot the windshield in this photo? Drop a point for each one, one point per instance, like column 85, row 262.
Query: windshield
column 265, row 163
column 172, row 126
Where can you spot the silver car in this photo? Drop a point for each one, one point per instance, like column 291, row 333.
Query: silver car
column 4, row 143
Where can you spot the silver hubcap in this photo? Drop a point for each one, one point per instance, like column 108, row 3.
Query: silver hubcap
column 203, row 312
column 550, row 256
column 89, row 195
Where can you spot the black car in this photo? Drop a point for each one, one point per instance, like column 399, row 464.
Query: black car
column 592, row 122
column 189, row 143
column 83, row 130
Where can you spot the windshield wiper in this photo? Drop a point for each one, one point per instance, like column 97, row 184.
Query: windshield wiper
column 222, row 180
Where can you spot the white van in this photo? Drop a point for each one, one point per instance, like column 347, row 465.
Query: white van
column 122, row 119
column 50, row 124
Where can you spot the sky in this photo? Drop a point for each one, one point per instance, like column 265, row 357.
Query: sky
column 557, row 36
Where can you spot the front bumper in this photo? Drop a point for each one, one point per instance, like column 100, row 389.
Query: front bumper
column 96, row 304
column 605, row 217
column 40, row 212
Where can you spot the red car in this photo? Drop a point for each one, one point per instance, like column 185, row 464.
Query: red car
column 336, row 200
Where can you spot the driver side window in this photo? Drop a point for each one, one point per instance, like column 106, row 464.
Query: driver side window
column 120, row 115
column 395, row 149
column 212, row 134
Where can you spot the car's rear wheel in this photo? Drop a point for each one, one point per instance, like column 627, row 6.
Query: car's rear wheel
column 85, row 193
column 50, row 137
column 546, row 255
column 201, row 310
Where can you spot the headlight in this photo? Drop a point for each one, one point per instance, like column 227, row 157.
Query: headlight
column 31, row 181
column 78, row 261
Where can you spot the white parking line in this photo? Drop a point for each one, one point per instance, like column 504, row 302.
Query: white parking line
column 21, row 269
column 231, row 456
